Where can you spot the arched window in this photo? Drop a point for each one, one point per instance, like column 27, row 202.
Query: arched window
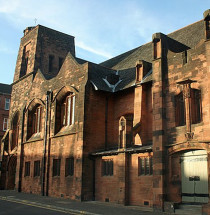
column 180, row 110
column 15, row 131
column 34, row 120
column 122, row 124
column 195, row 106
column 65, row 109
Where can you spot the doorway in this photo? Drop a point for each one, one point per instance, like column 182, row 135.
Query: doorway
column 11, row 173
column 194, row 170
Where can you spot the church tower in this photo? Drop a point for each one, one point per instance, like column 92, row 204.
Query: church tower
column 42, row 48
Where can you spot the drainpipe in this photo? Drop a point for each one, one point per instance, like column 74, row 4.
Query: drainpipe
column 49, row 146
column 21, row 154
column 45, row 143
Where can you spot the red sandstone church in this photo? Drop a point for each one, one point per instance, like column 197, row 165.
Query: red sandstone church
column 133, row 130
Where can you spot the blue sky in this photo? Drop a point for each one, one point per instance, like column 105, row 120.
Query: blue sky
column 102, row 28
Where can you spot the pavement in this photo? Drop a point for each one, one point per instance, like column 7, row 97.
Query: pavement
column 69, row 206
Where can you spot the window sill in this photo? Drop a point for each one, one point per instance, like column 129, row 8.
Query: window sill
column 69, row 176
column 193, row 125
column 180, row 126
column 35, row 137
column 197, row 124
column 66, row 130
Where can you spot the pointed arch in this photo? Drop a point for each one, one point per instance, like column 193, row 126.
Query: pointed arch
column 33, row 103
column 64, row 91
column 65, row 107
column 15, row 115
column 15, row 125
column 138, row 139
column 34, row 112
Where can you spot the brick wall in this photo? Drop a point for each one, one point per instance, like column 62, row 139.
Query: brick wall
column 3, row 113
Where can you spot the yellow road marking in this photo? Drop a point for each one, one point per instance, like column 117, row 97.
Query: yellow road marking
column 24, row 202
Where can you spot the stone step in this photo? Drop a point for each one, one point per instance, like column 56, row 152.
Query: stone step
column 185, row 209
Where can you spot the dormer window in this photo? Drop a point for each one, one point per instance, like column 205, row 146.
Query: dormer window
column 157, row 49
column 139, row 71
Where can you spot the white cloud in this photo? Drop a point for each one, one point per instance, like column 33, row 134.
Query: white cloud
column 106, row 28
column 98, row 52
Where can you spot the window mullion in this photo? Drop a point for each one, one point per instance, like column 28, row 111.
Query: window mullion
column 73, row 109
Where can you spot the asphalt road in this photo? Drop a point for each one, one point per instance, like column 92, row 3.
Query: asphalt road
column 13, row 208
column 12, row 202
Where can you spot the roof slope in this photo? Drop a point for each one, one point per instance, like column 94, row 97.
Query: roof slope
column 5, row 88
column 189, row 36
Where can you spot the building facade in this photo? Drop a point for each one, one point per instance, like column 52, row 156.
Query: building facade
column 133, row 130
column 5, row 94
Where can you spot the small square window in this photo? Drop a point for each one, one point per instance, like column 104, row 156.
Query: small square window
column 145, row 166
column 107, row 167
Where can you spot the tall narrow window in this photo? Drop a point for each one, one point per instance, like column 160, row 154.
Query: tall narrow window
column 34, row 120
column 147, row 166
column 207, row 29
column 151, row 165
column 60, row 62
column 15, row 131
column 56, row 167
column 51, row 62
column 65, row 111
column 69, row 168
column 180, row 110
column 5, row 124
column 7, row 104
column 184, row 56
column 107, row 167
column 195, row 106
column 25, row 59
column 36, row 168
column 122, row 140
column 27, row 168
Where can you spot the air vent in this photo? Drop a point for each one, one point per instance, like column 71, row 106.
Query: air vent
column 146, row 203
column 106, row 199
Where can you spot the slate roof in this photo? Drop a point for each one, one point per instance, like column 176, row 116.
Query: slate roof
column 189, row 36
column 119, row 72
column 110, row 80
column 5, row 88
